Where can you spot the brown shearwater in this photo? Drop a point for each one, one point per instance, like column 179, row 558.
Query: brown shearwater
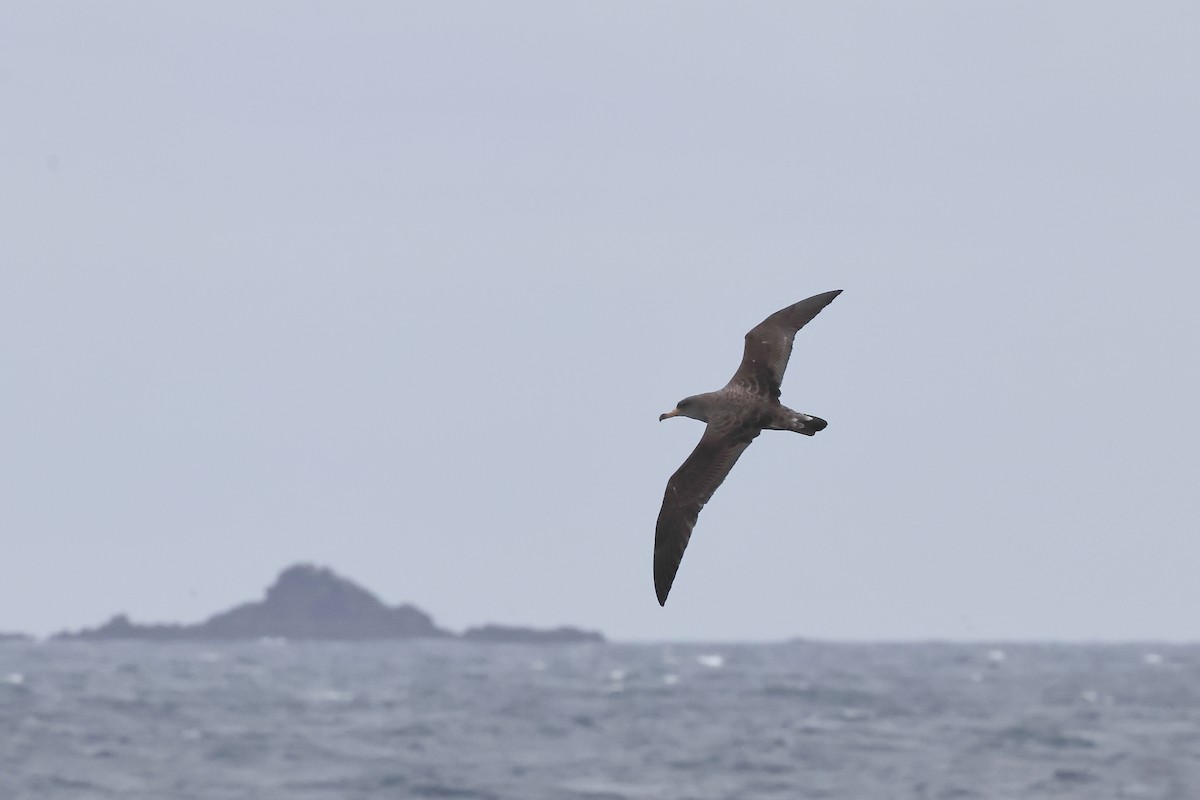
column 736, row 414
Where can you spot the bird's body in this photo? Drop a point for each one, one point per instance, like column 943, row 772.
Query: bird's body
column 735, row 414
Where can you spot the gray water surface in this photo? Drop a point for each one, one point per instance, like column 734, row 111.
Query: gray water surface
column 449, row 719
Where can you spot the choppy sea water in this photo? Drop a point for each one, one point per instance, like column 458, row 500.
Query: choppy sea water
column 603, row 722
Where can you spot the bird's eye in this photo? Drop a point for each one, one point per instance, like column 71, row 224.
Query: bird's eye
column 681, row 403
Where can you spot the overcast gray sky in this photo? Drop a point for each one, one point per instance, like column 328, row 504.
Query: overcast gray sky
column 402, row 289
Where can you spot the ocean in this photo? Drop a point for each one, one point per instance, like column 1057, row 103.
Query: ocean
column 452, row 719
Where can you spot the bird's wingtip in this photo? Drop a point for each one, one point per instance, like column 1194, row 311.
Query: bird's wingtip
column 662, row 592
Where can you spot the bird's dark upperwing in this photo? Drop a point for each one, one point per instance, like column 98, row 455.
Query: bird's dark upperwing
column 688, row 490
column 769, row 345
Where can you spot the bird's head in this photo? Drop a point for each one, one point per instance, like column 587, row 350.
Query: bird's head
column 695, row 407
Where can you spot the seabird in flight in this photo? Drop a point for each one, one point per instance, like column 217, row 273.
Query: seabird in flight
column 735, row 414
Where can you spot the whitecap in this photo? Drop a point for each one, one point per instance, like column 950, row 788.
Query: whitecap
column 712, row 661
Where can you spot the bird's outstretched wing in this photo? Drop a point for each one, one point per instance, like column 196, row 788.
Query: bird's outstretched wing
column 769, row 345
column 688, row 490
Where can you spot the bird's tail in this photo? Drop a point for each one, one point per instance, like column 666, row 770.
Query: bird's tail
column 800, row 422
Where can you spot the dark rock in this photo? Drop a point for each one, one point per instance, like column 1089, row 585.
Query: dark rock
column 119, row 627
column 308, row 602
column 305, row 602
column 519, row 635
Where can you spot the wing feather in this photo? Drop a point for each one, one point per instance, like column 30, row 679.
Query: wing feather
column 769, row 345
column 688, row 490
